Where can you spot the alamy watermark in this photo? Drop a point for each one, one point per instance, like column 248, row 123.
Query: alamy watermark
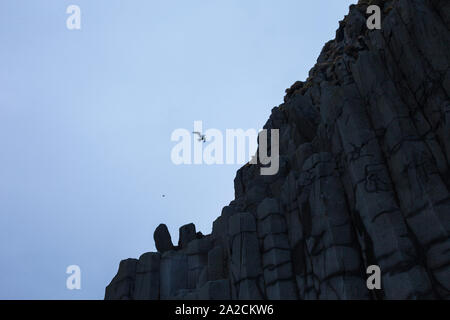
column 237, row 146
column 74, row 280
column 374, row 20
column 374, row 280
column 73, row 22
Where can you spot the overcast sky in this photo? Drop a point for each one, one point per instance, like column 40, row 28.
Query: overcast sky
column 86, row 118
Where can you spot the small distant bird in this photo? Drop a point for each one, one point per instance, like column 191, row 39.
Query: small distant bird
column 201, row 137
column 163, row 195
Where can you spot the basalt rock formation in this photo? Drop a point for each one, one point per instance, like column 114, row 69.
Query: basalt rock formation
column 364, row 180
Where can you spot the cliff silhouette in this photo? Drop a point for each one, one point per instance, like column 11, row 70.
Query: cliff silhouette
column 364, row 180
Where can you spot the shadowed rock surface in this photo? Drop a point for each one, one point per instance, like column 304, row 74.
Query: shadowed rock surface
column 364, row 180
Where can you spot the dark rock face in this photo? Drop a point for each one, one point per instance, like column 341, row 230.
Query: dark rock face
column 364, row 180
column 187, row 234
column 163, row 240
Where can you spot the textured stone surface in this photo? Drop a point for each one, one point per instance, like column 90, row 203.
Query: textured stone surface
column 215, row 290
column 123, row 284
column 163, row 240
column 187, row 234
column 364, row 180
column 173, row 274
column 147, row 277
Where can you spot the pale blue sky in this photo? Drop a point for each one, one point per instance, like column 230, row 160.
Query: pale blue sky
column 86, row 118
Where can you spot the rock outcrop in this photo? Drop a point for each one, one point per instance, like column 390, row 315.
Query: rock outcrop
column 364, row 180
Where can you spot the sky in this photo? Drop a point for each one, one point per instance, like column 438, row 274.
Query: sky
column 86, row 118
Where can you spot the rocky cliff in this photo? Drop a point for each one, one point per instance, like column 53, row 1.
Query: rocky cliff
column 364, row 180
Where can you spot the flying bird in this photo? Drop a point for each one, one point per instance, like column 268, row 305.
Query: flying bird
column 201, row 137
